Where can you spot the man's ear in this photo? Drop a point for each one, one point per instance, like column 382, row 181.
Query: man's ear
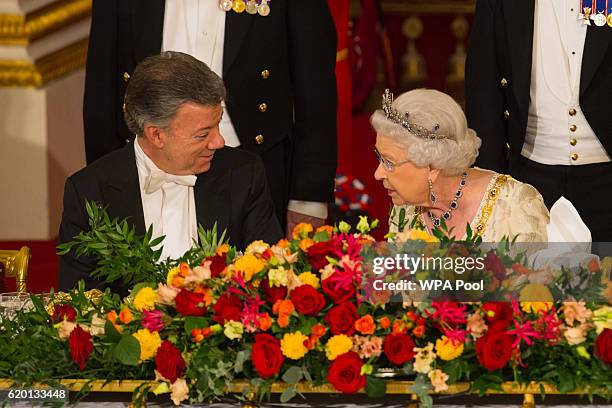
column 155, row 135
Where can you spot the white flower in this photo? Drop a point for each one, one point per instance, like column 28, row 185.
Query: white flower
column 180, row 391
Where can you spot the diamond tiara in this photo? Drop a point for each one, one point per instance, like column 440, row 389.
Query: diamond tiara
column 402, row 120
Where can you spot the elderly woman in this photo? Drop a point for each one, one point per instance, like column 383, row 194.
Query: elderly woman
column 425, row 151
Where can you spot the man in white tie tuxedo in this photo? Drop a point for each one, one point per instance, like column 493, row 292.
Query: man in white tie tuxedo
column 538, row 86
column 177, row 173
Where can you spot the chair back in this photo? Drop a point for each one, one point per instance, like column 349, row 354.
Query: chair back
column 16, row 266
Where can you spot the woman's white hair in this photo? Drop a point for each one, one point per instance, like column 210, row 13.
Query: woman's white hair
column 428, row 108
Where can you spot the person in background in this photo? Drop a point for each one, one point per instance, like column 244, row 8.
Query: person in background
column 538, row 84
column 277, row 59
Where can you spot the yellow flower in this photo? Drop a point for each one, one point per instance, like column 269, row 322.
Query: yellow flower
column 535, row 298
column 233, row 330
column 256, row 247
column 309, row 278
column 278, row 277
column 582, row 352
column 415, row 235
column 602, row 318
column 249, row 264
column 171, row 274
column 223, row 249
column 292, row 345
column 149, row 343
column 338, row 345
column 448, row 349
column 145, row 299
column 302, row 230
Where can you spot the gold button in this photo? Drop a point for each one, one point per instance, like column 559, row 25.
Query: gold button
column 506, row 114
column 259, row 139
column 574, row 156
column 504, row 82
column 265, row 74
column 573, row 142
column 263, row 107
column 573, row 128
column 572, row 112
column 126, row 77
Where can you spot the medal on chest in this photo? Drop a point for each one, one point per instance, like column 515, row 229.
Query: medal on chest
column 261, row 7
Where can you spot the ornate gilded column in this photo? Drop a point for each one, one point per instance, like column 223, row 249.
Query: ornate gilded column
column 43, row 47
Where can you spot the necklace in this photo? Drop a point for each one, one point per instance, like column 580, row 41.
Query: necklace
column 446, row 215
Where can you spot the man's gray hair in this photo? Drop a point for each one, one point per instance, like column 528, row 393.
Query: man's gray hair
column 162, row 83
column 428, row 108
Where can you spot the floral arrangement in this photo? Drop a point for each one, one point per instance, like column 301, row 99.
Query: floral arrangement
column 296, row 311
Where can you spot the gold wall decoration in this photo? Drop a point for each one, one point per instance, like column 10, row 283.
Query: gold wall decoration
column 413, row 63
column 45, row 69
column 22, row 30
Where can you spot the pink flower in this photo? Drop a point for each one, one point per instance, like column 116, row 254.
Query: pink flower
column 367, row 347
column 523, row 332
column 476, row 325
column 449, row 312
column 166, row 294
column 576, row 335
column 576, row 311
column 153, row 320
column 438, row 379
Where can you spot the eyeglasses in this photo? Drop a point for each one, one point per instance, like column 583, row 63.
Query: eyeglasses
column 389, row 165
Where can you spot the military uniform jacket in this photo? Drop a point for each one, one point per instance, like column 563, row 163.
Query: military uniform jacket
column 498, row 80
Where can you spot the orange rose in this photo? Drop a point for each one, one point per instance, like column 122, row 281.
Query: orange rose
column 593, row 265
column 318, row 330
column 283, row 307
column 264, row 322
column 177, row 281
column 283, row 243
column 325, row 228
column 305, row 244
column 520, row 269
column 112, row 316
column 302, row 230
column 419, row 331
column 125, row 315
column 184, row 269
column 385, row 322
column 283, row 321
column 365, row 325
column 223, row 249
column 398, row 327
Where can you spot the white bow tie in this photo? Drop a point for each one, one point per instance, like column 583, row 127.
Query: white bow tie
column 158, row 178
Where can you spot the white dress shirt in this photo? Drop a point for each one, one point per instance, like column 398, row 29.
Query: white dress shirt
column 168, row 206
column 557, row 130
column 197, row 27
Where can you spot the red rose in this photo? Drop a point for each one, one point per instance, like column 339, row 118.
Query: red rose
column 496, row 312
column 217, row 265
column 64, row 311
column 495, row 265
column 318, row 252
column 169, row 362
column 307, row 300
column 80, row 346
column 399, row 348
column 273, row 294
column 189, row 303
column 603, row 346
column 337, row 292
column 341, row 318
column 228, row 307
column 345, row 373
column 494, row 349
column 266, row 355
